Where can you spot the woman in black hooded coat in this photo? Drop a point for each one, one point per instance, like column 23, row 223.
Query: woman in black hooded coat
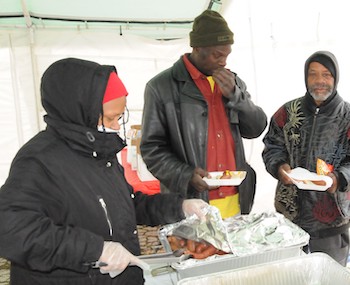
column 66, row 194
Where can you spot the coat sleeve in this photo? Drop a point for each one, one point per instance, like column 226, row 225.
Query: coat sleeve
column 158, row 209
column 30, row 205
column 251, row 118
column 275, row 152
column 157, row 148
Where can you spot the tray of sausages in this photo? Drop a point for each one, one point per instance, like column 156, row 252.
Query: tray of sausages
column 218, row 245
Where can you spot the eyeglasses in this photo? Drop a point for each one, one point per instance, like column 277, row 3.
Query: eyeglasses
column 124, row 118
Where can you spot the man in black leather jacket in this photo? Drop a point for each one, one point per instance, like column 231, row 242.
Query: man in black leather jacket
column 195, row 115
column 315, row 126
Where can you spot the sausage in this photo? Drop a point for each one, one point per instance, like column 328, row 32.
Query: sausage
column 221, row 252
column 316, row 182
column 176, row 242
column 226, row 175
column 191, row 245
column 201, row 247
column 209, row 251
column 319, row 182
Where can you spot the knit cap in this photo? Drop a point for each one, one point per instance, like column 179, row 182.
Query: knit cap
column 326, row 62
column 210, row 29
column 114, row 89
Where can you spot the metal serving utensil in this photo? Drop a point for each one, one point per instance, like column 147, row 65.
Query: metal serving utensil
column 168, row 257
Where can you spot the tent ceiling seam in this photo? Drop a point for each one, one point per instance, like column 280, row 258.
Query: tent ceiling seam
column 93, row 20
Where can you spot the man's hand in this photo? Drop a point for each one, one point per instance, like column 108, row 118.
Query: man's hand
column 334, row 186
column 282, row 174
column 226, row 81
column 197, row 182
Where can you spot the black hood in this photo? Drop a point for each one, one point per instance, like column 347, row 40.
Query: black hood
column 330, row 59
column 72, row 91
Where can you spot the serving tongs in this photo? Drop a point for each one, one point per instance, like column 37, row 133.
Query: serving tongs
column 165, row 258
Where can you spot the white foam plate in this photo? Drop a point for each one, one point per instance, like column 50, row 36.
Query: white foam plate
column 302, row 179
column 237, row 178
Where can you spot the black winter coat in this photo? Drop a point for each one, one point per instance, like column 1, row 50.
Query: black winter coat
column 299, row 133
column 66, row 192
column 174, row 131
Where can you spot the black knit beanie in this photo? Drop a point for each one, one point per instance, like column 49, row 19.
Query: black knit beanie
column 326, row 62
column 210, row 29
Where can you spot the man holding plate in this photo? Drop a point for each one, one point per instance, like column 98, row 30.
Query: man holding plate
column 303, row 133
column 194, row 118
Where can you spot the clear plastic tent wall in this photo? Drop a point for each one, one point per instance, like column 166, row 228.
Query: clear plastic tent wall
column 272, row 41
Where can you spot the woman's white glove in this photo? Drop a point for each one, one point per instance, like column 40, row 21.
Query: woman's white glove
column 117, row 258
column 195, row 206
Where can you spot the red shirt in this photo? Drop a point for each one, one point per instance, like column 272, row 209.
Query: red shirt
column 221, row 147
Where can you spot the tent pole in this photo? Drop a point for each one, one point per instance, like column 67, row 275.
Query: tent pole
column 29, row 24
column 35, row 80
column 15, row 93
column 26, row 14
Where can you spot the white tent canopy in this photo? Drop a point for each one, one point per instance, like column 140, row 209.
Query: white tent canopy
column 141, row 38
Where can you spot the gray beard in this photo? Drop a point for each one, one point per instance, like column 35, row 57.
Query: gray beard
column 320, row 97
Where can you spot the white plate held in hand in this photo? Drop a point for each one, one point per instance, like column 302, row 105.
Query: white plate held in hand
column 306, row 180
column 235, row 180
